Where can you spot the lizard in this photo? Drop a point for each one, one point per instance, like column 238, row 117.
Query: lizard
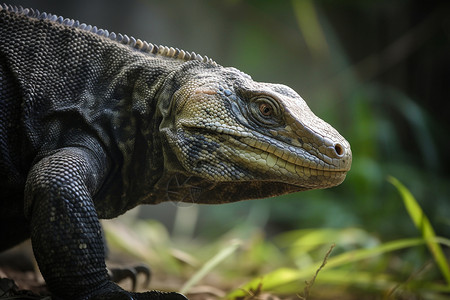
column 94, row 123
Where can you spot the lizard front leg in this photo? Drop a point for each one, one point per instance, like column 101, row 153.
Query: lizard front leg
column 65, row 230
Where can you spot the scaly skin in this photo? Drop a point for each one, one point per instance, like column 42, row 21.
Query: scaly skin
column 238, row 135
column 93, row 124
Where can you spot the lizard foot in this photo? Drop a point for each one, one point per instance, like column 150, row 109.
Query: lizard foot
column 151, row 295
column 119, row 274
column 111, row 291
column 9, row 290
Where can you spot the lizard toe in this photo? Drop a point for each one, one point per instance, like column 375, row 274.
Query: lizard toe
column 118, row 274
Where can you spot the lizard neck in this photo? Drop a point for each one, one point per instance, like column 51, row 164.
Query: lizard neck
column 132, row 134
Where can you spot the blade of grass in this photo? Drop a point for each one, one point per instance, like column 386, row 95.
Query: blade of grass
column 443, row 241
column 422, row 223
column 286, row 276
column 210, row 264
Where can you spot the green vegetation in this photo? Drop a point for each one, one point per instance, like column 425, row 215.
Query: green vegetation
column 360, row 264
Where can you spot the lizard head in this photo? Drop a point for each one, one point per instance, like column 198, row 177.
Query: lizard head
column 238, row 139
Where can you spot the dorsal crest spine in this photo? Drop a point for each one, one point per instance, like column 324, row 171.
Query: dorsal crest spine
column 136, row 44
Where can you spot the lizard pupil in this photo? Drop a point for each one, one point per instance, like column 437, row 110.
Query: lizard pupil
column 265, row 109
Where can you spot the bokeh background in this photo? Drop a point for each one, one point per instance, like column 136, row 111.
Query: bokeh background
column 377, row 70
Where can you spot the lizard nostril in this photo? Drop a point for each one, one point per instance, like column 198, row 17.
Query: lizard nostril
column 339, row 150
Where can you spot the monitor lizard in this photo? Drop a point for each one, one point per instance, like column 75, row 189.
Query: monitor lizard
column 94, row 123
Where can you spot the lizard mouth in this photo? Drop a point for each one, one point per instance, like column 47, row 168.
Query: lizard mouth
column 280, row 153
column 266, row 153
column 291, row 167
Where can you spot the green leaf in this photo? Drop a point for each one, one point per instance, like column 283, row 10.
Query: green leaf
column 422, row 223
column 210, row 264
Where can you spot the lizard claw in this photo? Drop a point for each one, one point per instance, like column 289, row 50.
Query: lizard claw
column 119, row 274
column 157, row 295
column 111, row 291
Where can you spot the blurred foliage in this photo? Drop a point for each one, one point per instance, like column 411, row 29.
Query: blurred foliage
column 423, row 224
column 296, row 263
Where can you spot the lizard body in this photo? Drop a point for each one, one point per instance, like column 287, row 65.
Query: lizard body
column 94, row 123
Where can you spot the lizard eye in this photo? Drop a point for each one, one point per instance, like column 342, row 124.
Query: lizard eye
column 265, row 111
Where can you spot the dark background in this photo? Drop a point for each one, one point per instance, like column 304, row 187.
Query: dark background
column 378, row 71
